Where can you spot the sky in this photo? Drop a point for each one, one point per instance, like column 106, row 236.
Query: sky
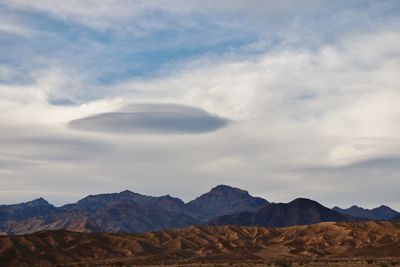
column 284, row 99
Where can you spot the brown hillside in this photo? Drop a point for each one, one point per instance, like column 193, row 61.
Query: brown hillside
column 328, row 240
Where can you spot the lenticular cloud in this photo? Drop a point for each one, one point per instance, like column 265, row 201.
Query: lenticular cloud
column 152, row 118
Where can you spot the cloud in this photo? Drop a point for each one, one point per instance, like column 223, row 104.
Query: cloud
column 311, row 87
column 367, row 182
column 153, row 118
column 292, row 109
column 37, row 146
column 388, row 163
column 113, row 13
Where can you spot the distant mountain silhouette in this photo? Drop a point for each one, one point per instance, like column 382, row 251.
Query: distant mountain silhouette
column 126, row 211
column 380, row 213
column 130, row 212
column 221, row 200
column 95, row 202
column 300, row 211
column 23, row 211
column 119, row 216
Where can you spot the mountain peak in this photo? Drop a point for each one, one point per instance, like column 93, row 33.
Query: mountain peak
column 299, row 211
column 380, row 213
column 226, row 188
column 303, row 201
column 383, row 207
column 173, row 203
column 38, row 202
column 127, row 192
column 222, row 187
column 223, row 199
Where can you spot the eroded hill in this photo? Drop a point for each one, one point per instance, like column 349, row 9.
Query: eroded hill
column 330, row 240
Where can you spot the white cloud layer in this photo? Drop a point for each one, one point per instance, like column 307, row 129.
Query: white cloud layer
column 314, row 119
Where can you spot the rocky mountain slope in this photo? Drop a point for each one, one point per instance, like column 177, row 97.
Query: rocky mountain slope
column 221, row 200
column 124, row 215
column 331, row 240
column 380, row 213
column 96, row 202
column 124, row 212
column 23, row 211
column 300, row 211
column 130, row 212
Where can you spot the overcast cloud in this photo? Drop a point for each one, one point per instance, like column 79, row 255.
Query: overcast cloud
column 281, row 99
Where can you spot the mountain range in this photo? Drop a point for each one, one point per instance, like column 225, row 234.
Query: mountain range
column 300, row 211
column 380, row 213
column 130, row 212
column 125, row 212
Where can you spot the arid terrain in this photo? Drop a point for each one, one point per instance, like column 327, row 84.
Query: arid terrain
column 360, row 242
